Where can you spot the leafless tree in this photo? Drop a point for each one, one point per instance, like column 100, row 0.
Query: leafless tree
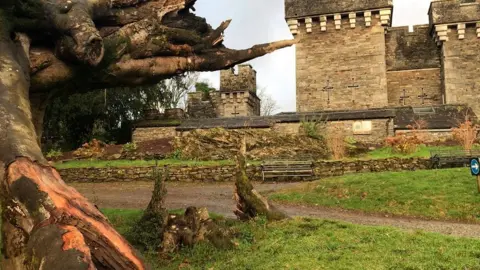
column 177, row 88
column 268, row 104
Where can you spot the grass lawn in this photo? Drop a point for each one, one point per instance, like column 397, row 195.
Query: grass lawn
column 423, row 151
column 319, row 244
column 137, row 163
column 439, row 194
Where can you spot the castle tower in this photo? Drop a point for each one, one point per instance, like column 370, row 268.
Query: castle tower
column 340, row 53
column 455, row 25
column 239, row 92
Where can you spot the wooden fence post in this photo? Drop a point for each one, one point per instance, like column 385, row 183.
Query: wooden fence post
column 478, row 183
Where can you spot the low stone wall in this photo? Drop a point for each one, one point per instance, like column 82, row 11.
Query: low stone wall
column 337, row 168
column 227, row 173
column 177, row 174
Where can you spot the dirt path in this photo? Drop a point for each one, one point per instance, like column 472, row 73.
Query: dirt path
column 218, row 198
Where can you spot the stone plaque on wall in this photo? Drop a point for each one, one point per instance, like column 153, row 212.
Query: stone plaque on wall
column 362, row 128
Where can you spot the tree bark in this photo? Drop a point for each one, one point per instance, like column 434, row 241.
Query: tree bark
column 45, row 223
column 250, row 203
column 38, row 105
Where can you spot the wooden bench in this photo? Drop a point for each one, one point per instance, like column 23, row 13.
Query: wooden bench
column 287, row 168
column 452, row 158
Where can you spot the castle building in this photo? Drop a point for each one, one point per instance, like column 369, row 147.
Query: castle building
column 358, row 73
column 349, row 57
column 237, row 96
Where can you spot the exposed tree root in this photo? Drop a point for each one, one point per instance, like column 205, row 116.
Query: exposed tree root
column 166, row 233
column 48, row 223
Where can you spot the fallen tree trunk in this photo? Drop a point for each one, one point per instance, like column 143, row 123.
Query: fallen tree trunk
column 250, row 203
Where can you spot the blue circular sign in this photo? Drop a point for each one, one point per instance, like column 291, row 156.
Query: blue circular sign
column 475, row 167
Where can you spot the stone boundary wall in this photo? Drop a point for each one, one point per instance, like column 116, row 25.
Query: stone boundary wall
column 227, row 173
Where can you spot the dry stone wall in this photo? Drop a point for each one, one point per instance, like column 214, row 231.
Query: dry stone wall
column 227, row 173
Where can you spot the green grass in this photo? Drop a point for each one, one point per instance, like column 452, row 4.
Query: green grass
column 320, row 244
column 138, row 163
column 441, row 194
column 423, row 151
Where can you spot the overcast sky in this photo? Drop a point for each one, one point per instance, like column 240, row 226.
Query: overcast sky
column 261, row 21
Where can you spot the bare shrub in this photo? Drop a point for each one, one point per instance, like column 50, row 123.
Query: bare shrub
column 403, row 143
column 466, row 134
column 408, row 142
column 337, row 142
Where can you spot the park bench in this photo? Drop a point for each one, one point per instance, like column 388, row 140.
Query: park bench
column 452, row 158
column 287, row 168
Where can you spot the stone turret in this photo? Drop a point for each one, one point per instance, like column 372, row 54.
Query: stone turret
column 455, row 25
column 340, row 52
column 238, row 92
column 245, row 80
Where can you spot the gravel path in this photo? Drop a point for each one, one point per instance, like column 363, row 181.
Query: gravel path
column 218, row 198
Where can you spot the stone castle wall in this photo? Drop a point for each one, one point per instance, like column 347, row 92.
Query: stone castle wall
column 351, row 62
column 237, row 96
column 462, row 67
column 240, row 103
column 244, row 80
column 349, row 57
column 416, row 87
column 227, row 173
column 201, row 105
column 380, row 130
column 413, row 67
column 153, row 133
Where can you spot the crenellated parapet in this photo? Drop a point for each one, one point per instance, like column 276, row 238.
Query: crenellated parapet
column 303, row 15
column 244, row 80
column 447, row 16
column 336, row 21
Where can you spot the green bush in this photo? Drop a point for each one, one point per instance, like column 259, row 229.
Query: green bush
column 312, row 127
column 129, row 147
column 54, row 153
column 175, row 155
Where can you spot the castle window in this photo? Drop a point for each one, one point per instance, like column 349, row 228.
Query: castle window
column 362, row 128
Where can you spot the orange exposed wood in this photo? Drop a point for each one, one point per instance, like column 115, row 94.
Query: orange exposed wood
column 73, row 239
column 68, row 207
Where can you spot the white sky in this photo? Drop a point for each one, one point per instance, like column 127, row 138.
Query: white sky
column 261, row 21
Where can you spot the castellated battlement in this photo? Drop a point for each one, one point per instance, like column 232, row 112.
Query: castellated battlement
column 339, row 21
column 454, row 11
column 461, row 17
column 306, row 15
column 295, row 9
column 244, row 80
